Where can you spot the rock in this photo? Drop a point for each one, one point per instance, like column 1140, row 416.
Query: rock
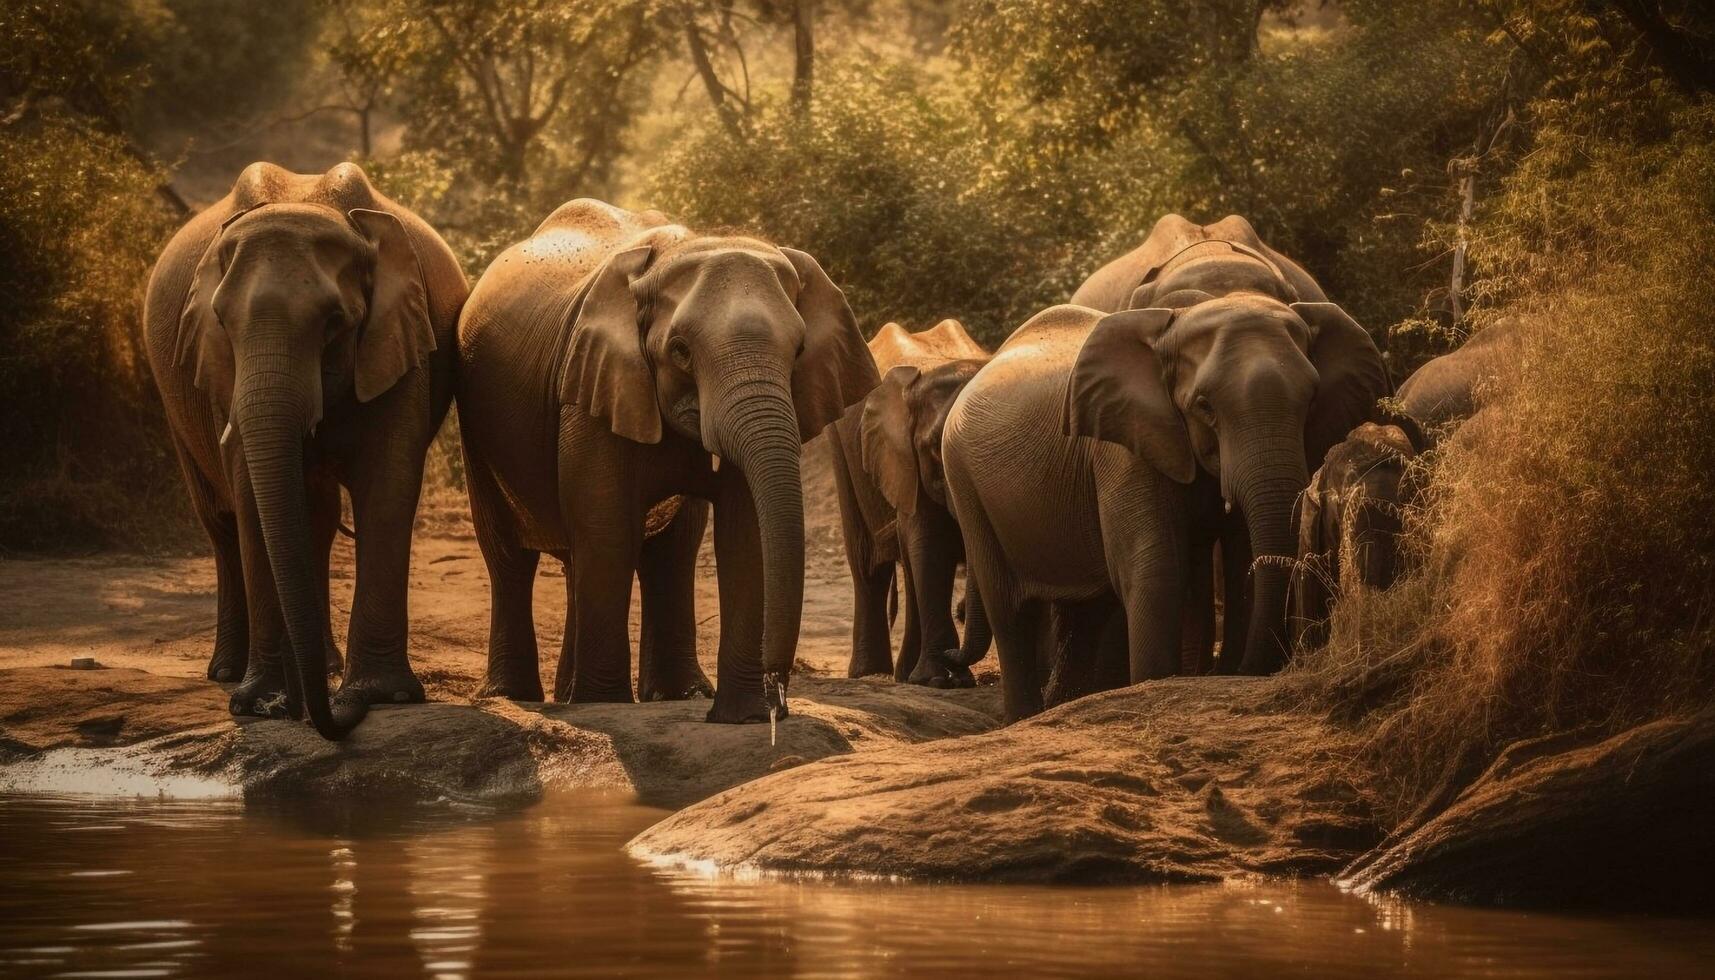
column 125, row 728
column 1623, row 823
column 1193, row 779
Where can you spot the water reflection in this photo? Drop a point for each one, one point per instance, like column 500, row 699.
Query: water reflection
column 211, row 888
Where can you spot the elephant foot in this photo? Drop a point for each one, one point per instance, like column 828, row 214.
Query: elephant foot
column 227, row 665
column 588, row 694
column 683, row 687
column 942, row 670
column 514, row 686
column 381, row 681
column 262, row 694
column 740, row 709
column 869, row 668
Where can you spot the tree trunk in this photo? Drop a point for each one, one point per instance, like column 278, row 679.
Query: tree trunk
column 803, row 54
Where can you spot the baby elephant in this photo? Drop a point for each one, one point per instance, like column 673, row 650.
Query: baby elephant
column 868, row 521
column 901, row 441
column 1349, row 521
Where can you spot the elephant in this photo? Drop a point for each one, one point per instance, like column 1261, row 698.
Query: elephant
column 1258, row 362
column 1056, row 523
column 1449, row 389
column 901, row 429
column 867, row 517
column 1349, row 520
column 300, row 332
column 612, row 361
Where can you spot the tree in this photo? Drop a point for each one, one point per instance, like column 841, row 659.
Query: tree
column 498, row 83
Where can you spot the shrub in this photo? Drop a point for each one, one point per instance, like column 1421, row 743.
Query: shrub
column 1565, row 553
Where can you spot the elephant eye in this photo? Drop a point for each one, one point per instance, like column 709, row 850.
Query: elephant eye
column 1201, row 406
column 680, row 353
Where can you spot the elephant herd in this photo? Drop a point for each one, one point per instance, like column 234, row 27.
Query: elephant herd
column 1117, row 464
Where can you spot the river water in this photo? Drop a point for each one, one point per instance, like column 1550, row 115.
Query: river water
column 98, row 887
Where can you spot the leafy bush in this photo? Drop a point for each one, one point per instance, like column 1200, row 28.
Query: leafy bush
column 88, row 461
column 1565, row 552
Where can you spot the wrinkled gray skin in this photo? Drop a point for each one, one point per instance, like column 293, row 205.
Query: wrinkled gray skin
column 300, row 332
column 1055, row 520
column 1348, row 523
column 869, row 524
column 1446, row 391
column 605, row 363
column 902, row 424
column 1265, row 375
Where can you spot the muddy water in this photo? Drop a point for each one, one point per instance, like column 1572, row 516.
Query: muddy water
column 215, row 888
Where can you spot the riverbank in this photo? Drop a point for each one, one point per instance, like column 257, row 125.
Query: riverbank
column 1195, row 779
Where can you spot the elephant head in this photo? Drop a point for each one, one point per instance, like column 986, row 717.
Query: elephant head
column 901, row 431
column 746, row 349
column 1247, row 387
column 295, row 309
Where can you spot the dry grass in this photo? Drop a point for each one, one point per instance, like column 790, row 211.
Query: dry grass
column 1565, row 549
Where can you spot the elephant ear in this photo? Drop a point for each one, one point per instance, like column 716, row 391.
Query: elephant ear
column 888, row 452
column 606, row 373
column 1118, row 393
column 203, row 340
column 835, row 369
column 1353, row 377
column 397, row 333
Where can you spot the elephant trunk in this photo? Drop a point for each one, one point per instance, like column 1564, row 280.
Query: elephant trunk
column 273, row 409
column 1266, row 483
column 758, row 431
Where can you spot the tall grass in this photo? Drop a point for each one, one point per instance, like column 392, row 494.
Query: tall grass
column 1565, row 550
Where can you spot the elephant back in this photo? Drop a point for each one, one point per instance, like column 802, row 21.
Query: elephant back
column 893, row 346
column 1112, row 287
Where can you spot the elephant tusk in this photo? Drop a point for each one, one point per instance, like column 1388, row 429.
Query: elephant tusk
column 1226, row 506
column 225, row 433
column 714, row 463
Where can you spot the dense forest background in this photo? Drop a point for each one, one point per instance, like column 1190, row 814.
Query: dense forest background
column 1435, row 163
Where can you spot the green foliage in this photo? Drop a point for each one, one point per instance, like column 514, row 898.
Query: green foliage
column 79, row 227
column 885, row 182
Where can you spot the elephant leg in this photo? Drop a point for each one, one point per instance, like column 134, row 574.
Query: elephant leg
column 232, row 626
column 738, row 564
column 595, row 659
column 931, row 544
column 975, row 644
column 324, row 525
column 514, row 667
column 667, row 668
column 1235, row 593
column 1078, row 629
column 263, row 692
column 871, row 570
column 872, row 639
column 911, row 631
column 384, row 492
column 1197, row 629
column 1017, row 637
